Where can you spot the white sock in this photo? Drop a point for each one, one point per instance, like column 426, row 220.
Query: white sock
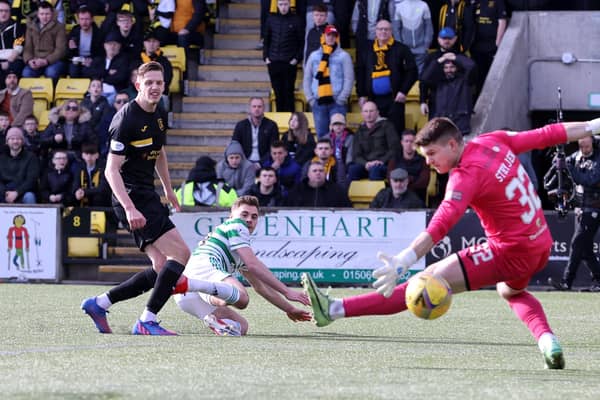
column 336, row 309
column 224, row 291
column 103, row 301
column 545, row 339
column 147, row 316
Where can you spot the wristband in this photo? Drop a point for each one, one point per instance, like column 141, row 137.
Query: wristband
column 593, row 126
column 406, row 258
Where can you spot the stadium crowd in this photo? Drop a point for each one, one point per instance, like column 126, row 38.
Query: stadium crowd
column 447, row 46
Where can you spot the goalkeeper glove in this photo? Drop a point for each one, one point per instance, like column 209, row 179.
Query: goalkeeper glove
column 393, row 267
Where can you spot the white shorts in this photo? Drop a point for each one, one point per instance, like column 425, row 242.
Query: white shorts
column 200, row 267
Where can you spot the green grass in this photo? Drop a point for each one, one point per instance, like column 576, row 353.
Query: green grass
column 50, row 350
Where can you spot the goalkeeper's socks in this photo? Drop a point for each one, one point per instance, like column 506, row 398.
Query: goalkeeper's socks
column 147, row 316
column 224, row 291
column 103, row 301
column 336, row 309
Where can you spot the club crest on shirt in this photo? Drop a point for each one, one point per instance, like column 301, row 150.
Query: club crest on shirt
column 161, row 124
column 116, row 146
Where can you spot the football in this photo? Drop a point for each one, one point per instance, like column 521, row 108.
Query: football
column 428, row 296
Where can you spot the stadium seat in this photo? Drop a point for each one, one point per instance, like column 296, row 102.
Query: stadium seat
column 88, row 246
column 41, row 89
column 353, row 120
column 70, row 88
column 176, row 56
column 43, row 120
column 281, row 119
column 362, row 192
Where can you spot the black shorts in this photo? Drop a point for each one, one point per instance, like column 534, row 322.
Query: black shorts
column 157, row 216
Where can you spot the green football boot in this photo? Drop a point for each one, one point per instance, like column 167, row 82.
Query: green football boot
column 320, row 302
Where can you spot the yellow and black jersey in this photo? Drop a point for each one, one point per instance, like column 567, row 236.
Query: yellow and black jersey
column 139, row 136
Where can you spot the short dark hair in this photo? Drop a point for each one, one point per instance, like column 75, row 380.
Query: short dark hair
column 83, row 9
column 324, row 140
column 30, row 116
column 45, row 4
column 270, row 169
column 278, row 144
column 320, row 8
column 408, row 132
column 150, row 66
column 89, row 148
column 438, row 128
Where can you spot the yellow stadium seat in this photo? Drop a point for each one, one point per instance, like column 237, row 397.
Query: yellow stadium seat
column 98, row 20
column 299, row 101
column 413, row 117
column 281, row 119
column 413, row 93
column 70, row 88
column 362, row 192
column 176, row 56
column 43, row 120
column 353, row 120
column 41, row 89
column 38, row 107
column 311, row 121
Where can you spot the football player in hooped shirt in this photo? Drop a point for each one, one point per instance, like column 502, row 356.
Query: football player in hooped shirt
column 486, row 175
column 138, row 133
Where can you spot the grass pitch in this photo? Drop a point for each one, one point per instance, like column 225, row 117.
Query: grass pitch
column 50, row 350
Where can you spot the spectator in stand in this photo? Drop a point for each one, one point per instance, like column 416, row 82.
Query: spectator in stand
column 267, row 190
column 365, row 16
column 397, row 195
column 490, row 25
column 56, row 182
column 137, row 8
column 298, row 140
column 152, row 52
column 386, row 75
column 341, row 139
column 12, row 36
column 328, row 80
column 112, row 67
column 99, row 108
column 19, row 171
column 325, row 7
column 84, row 42
column 121, row 99
column 130, row 33
column 375, row 144
column 323, row 154
column 69, row 128
column 161, row 14
column 188, row 23
column 17, row 100
column 447, row 41
column 90, row 187
column 413, row 163
column 342, row 11
column 283, row 45
column 46, row 44
column 452, row 77
column 288, row 170
column 256, row 133
column 4, row 122
column 413, row 27
column 235, row 169
column 316, row 191
column 460, row 16
column 314, row 34
column 32, row 138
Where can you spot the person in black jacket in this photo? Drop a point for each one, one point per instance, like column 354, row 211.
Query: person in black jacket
column 316, row 191
column 90, row 187
column 112, row 68
column 81, row 52
column 452, row 77
column 56, row 182
column 152, row 52
column 12, row 36
column 387, row 74
column 256, row 133
column 397, row 195
column 267, row 190
column 283, row 44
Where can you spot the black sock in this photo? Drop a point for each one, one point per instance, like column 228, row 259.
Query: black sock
column 134, row 286
column 165, row 283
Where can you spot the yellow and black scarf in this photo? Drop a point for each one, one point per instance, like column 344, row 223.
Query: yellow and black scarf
column 328, row 166
column 86, row 183
column 324, row 91
column 152, row 57
column 381, row 74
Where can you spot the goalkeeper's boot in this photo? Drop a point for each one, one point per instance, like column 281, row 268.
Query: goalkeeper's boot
column 553, row 354
column 320, row 301
column 223, row 327
column 151, row 328
column 97, row 314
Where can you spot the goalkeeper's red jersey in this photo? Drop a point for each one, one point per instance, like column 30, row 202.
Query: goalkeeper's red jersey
column 490, row 179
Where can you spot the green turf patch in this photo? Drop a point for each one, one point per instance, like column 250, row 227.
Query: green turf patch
column 50, row 350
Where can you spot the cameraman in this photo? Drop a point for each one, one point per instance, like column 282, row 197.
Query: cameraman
column 584, row 166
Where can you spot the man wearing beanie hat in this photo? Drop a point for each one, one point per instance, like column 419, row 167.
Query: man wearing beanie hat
column 19, row 171
column 328, row 80
column 16, row 100
column 397, row 195
column 152, row 52
column 112, row 67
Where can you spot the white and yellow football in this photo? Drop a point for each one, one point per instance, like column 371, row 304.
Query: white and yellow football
column 428, row 296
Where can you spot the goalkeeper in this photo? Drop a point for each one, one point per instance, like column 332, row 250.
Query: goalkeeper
column 486, row 175
column 224, row 251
